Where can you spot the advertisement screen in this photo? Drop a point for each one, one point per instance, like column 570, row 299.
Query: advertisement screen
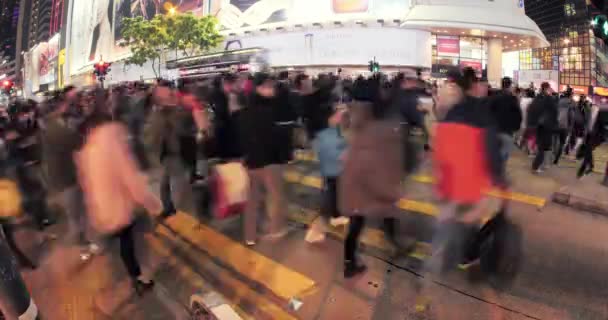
column 235, row 14
column 92, row 32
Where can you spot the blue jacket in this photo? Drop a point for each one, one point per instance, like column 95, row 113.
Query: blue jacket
column 329, row 145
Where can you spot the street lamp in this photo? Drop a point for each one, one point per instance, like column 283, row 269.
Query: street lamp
column 172, row 11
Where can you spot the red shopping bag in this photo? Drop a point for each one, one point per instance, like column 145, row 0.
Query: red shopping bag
column 230, row 185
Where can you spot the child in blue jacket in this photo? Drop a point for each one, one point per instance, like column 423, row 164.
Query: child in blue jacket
column 329, row 145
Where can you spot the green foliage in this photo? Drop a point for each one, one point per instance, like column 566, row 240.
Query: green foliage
column 148, row 39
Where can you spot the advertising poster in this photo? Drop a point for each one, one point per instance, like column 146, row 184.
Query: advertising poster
column 92, row 34
column 448, row 46
column 235, row 14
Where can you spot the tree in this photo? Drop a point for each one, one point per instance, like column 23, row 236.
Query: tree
column 191, row 34
column 149, row 39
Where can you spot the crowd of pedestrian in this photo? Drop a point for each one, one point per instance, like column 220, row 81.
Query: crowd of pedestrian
column 94, row 149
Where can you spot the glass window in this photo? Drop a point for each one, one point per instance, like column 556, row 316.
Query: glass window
column 570, row 9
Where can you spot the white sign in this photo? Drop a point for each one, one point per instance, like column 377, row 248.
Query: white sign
column 538, row 77
column 343, row 46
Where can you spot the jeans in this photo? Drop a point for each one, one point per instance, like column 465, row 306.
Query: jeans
column 559, row 143
column 172, row 182
column 506, row 145
column 73, row 205
column 15, row 300
column 543, row 141
column 355, row 227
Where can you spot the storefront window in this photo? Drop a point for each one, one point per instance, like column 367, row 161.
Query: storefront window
column 450, row 51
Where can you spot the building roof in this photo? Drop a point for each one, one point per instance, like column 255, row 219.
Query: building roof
column 482, row 20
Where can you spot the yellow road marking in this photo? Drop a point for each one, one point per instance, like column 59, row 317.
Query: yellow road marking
column 513, row 196
column 279, row 279
column 405, row 204
column 371, row 237
column 238, row 291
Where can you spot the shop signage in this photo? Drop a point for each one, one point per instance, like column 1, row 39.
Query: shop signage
column 448, row 46
column 600, row 91
column 476, row 65
column 575, row 89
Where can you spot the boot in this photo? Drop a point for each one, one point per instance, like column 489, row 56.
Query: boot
column 352, row 268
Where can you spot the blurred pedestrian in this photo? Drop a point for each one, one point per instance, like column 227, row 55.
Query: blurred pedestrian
column 542, row 115
column 370, row 184
column 114, row 186
column 259, row 157
column 507, row 115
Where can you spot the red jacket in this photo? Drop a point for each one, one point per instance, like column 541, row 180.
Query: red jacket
column 466, row 155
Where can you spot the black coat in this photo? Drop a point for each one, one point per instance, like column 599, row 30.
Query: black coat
column 227, row 144
column 507, row 112
column 257, row 132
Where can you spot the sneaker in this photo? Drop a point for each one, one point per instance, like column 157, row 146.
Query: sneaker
column 94, row 248
column 538, row 171
column 314, row 236
column 339, row 221
column 277, row 235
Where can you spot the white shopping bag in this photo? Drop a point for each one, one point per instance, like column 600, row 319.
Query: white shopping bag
column 231, row 187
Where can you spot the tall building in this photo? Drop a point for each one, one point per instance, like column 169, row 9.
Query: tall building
column 40, row 21
column 574, row 53
column 9, row 17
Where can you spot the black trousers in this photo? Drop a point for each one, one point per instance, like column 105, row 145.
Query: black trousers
column 12, row 244
column 587, row 164
column 559, row 142
column 31, row 186
column 127, row 251
column 329, row 207
column 351, row 243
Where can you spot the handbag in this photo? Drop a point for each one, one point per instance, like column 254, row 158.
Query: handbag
column 498, row 245
column 230, row 185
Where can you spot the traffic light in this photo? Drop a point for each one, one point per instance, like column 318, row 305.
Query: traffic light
column 600, row 27
column 101, row 69
column 7, row 86
column 374, row 66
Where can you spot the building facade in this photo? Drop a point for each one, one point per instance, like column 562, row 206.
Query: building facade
column 574, row 55
column 9, row 18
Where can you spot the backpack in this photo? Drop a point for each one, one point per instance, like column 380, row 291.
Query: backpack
column 498, row 245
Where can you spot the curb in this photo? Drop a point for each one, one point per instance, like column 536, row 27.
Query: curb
column 566, row 198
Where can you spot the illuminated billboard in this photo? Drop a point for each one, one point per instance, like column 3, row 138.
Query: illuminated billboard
column 91, row 32
column 235, row 14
